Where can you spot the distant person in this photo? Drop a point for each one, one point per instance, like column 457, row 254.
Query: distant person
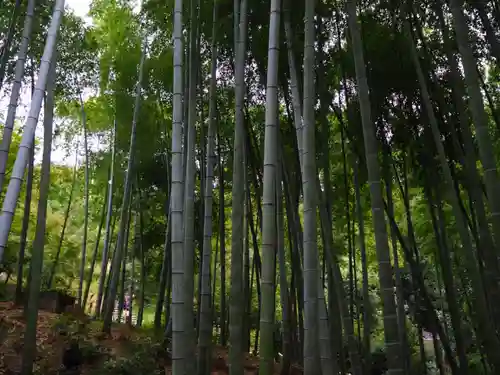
column 126, row 305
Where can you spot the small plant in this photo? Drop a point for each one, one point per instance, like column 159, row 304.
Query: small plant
column 66, row 325
column 146, row 359
column 92, row 352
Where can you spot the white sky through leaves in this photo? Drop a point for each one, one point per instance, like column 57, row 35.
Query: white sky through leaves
column 59, row 156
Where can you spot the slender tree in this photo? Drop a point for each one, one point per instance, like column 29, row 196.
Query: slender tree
column 25, row 226
column 222, row 235
column 205, row 337
column 16, row 89
column 189, row 188
column 311, row 272
column 392, row 338
column 107, row 236
column 95, row 252
column 162, row 302
column 269, row 198
column 139, row 249
column 83, row 260
column 177, row 310
column 65, row 224
column 283, row 282
column 364, row 270
column 29, row 348
column 236, row 292
column 120, row 243
column 26, row 217
column 294, row 84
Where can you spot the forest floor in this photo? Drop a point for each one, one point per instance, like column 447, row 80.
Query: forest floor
column 124, row 351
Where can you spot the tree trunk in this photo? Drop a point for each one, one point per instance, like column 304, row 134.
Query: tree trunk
column 25, row 226
column 367, row 308
column 139, row 247
column 392, row 338
column 284, row 291
column 311, row 275
column 160, row 302
column 109, row 228
column 205, row 324
column 177, row 309
column 266, row 347
column 222, row 236
column 94, row 255
column 238, row 199
column 29, row 348
column 83, row 259
column 26, row 215
column 397, row 270
column 189, row 187
column 118, row 256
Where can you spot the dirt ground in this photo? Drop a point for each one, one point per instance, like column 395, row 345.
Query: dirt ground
column 53, row 339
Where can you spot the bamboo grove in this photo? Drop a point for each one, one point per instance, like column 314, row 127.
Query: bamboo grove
column 313, row 182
